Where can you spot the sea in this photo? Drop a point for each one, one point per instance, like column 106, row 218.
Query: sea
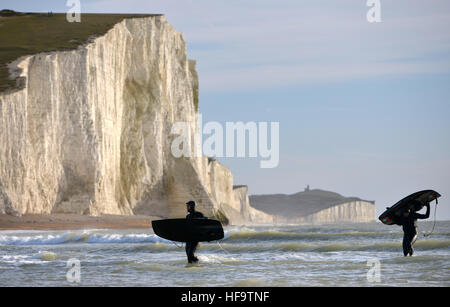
column 338, row 255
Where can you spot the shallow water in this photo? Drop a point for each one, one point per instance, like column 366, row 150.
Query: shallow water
column 327, row 255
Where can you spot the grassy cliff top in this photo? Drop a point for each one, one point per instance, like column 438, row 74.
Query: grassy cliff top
column 30, row 33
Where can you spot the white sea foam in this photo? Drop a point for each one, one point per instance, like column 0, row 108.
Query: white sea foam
column 83, row 237
column 216, row 259
column 127, row 238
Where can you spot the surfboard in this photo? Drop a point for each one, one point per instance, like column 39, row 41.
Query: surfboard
column 183, row 230
column 416, row 200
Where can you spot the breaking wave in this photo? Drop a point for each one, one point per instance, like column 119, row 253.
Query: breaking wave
column 334, row 247
column 249, row 234
column 66, row 238
column 235, row 241
column 32, row 259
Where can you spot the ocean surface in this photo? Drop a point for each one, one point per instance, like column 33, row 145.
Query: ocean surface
column 326, row 255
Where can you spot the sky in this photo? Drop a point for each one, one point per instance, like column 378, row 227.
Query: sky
column 363, row 107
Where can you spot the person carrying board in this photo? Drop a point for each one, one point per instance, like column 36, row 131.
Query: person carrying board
column 409, row 224
column 192, row 246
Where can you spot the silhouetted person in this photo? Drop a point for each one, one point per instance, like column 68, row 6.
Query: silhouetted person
column 408, row 221
column 192, row 246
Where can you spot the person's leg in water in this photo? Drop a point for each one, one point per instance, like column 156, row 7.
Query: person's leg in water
column 406, row 244
column 408, row 241
column 413, row 240
column 190, row 250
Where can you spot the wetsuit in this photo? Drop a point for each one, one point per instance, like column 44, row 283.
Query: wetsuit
column 192, row 246
column 409, row 224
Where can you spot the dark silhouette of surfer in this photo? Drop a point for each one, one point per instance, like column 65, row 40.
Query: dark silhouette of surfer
column 192, row 246
column 408, row 220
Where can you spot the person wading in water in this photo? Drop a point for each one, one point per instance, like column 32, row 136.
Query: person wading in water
column 192, row 246
column 408, row 220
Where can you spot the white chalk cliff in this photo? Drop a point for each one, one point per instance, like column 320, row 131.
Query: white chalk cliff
column 315, row 206
column 357, row 211
column 90, row 131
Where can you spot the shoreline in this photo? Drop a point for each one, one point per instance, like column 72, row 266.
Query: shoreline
column 74, row 222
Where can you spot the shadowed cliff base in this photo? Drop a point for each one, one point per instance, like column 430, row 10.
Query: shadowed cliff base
column 31, row 33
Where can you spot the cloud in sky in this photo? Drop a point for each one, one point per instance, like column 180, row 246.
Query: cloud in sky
column 259, row 44
column 249, row 44
column 352, row 97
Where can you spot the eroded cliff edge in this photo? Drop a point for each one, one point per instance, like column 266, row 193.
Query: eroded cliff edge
column 90, row 131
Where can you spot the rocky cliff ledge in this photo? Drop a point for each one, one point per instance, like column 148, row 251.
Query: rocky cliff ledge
column 89, row 132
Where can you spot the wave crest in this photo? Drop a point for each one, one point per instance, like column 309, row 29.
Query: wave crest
column 67, row 238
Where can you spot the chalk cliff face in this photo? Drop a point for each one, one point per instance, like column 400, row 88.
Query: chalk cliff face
column 90, row 131
column 315, row 206
column 246, row 210
column 354, row 211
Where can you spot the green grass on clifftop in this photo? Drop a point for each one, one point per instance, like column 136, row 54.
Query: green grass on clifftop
column 30, row 33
